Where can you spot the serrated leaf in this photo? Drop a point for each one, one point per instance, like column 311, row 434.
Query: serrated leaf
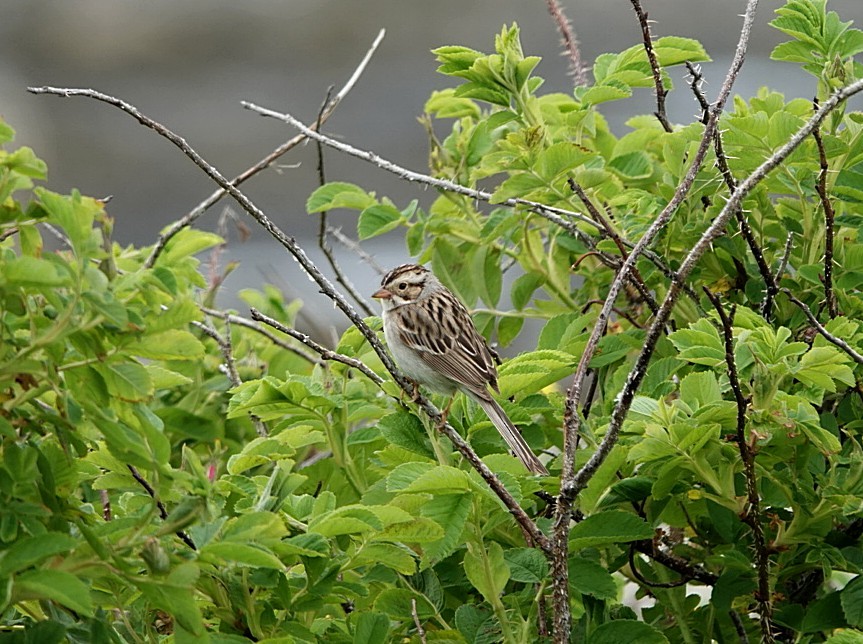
column 442, row 479
column 487, row 571
column 378, row 219
column 339, row 194
column 627, row 630
column 450, row 511
column 174, row 344
column 243, row 554
column 527, row 565
column 55, row 585
column 29, row 551
column 606, row 528
column 590, row 578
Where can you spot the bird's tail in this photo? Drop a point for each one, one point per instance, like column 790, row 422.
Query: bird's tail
column 511, row 434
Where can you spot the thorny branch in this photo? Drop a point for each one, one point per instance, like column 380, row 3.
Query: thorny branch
column 163, row 512
column 189, row 218
column 752, row 515
column 329, row 291
column 661, row 92
column 827, row 205
column 770, row 285
column 569, row 41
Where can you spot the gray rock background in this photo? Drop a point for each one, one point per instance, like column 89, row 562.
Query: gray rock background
column 189, row 63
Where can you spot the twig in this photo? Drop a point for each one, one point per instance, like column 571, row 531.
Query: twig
column 189, row 218
column 652, row 584
column 105, row 498
column 747, row 457
column 661, row 92
column 420, row 630
column 323, row 227
column 326, row 354
column 569, row 41
column 354, row 246
column 636, row 278
column 770, row 285
column 738, row 626
column 839, row 342
column 559, row 216
column 786, row 254
column 827, row 205
column 163, row 513
column 571, row 481
column 230, row 366
column 241, row 321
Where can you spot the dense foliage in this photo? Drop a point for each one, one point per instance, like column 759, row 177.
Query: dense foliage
column 146, row 495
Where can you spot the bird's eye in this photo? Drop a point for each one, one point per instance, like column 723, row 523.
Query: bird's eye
column 403, row 285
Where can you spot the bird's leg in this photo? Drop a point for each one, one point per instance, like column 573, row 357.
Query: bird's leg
column 445, row 413
column 414, row 393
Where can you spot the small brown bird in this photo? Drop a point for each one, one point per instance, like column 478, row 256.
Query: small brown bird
column 433, row 339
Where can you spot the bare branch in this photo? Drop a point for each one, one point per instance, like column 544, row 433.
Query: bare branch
column 420, row 630
column 326, row 354
column 241, row 321
column 189, row 218
column 323, row 244
column 569, row 41
column 559, row 216
column 839, row 342
column 827, row 205
column 329, row 291
column 163, row 512
column 355, row 247
column 661, row 92
column 747, row 457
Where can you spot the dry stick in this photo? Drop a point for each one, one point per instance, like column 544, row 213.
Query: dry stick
column 770, row 285
column 661, row 92
column 569, row 41
column 821, row 188
column 572, row 482
column 241, row 321
column 752, row 515
column 786, row 255
column 163, row 513
column 420, row 630
column 839, row 342
column 570, row 487
column 189, row 218
column 559, row 216
column 326, row 354
column 328, row 290
column 323, row 227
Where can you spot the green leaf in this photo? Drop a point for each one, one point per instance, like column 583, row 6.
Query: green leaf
column 626, row 630
column 450, row 511
column 55, row 585
column 852, row 601
column 530, row 372
column 128, row 381
column 523, row 289
column 674, row 50
column 406, row 430
column 700, row 344
column 378, row 219
column 243, row 554
column 32, row 271
column 370, row 627
column 443, row 479
column 417, row 530
column 29, row 551
column 487, row 571
column 396, row 602
column 174, row 344
column 606, row 528
column 338, row 194
column 187, row 242
column 590, row 578
column 632, row 165
column 527, row 565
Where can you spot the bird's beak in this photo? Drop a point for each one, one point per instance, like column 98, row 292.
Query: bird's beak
column 382, row 294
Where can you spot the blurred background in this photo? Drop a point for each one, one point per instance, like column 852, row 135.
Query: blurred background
column 188, row 64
